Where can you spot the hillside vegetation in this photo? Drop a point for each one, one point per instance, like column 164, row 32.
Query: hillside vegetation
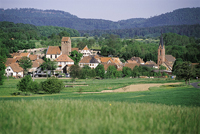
column 65, row 19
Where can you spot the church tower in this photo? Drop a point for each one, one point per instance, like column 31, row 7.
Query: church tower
column 161, row 52
column 66, row 45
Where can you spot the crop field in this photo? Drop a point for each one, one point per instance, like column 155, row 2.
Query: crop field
column 165, row 109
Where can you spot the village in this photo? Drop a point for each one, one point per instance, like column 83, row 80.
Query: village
column 91, row 58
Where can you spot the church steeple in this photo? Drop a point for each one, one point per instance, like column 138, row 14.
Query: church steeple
column 161, row 52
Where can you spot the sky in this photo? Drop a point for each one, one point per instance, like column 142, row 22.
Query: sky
column 114, row 10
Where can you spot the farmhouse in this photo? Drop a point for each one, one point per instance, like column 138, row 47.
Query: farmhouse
column 91, row 61
column 64, row 62
column 86, row 51
column 14, row 70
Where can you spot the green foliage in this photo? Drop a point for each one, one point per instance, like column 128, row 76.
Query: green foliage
column 162, row 67
column 23, row 84
column 25, row 63
column 52, row 85
column 2, row 69
column 75, row 71
column 76, row 57
column 111, row 72
column 185, row 71
column 33, row 87
column 100, row 71
column 86, row 72
column 127, row 72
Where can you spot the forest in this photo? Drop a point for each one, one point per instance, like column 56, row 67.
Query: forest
column 64, row 19
column 14, row 37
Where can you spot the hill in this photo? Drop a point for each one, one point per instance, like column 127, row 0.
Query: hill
column 64, row 19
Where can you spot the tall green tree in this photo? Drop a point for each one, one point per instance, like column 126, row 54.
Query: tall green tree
column 25, row 63
column 75, row 71
column 2, row 69
column 100, row 71
column 185, row 71
column 76, row 57
column 48, row 65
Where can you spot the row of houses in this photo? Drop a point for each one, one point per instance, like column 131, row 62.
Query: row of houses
column 60, row 54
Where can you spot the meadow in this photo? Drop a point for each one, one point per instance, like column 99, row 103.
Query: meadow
column 165, row 109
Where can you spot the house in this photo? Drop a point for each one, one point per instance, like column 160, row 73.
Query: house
column 151, row 64
column 131, row 65
column 36, row 64
column 14, row 70
column 33, row 57
column 136, row 59
column 53, row 52
column 86, row 51
column 164, row 60
column 131, row 61
column 106, row 65
column 91, row 61
column 64, row 62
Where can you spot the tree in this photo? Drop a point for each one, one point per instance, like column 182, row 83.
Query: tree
column 76, row 57
column 23, row 84
column 100, row 71
column 127, row 71
column 25, row 63
column 111, row 72
column 162, row 67
column 85, row 72
column 185, row 71
column 75, row 71
column 64, row 34
column 2, row 69
column 178, row 60
column 135, row 72
column 48, row 65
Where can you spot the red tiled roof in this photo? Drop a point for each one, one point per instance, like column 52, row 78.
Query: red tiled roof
column 131, row 61
column 131, row 65
column 89, row 59
column 137, row 59
column 106, row 65
column 10, row 60
column 33, row 57
column 85, row 48
column 150, row 63
column 24, row 54
column 53, row 50
column 35, row 64
column 15, row 67
column 65, row 38
column 40, row 61
column 15, row 54
column 170, row 58
column 72, row 49
column 64, row 58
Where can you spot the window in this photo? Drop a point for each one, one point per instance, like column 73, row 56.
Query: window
column 51, row 56
column 55, row 56
column 8, row 69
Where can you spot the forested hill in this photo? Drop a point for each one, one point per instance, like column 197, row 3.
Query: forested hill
column 187, row 16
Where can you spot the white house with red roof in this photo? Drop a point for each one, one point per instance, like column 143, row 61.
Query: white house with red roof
column 86, row 51
column 64, row 62
column 14, row 70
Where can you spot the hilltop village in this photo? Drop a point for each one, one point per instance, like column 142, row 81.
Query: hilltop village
column 91, row 58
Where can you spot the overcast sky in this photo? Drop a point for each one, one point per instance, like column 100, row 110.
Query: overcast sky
column 105, row 9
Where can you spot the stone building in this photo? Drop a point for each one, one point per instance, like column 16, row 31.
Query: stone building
column 66, row 45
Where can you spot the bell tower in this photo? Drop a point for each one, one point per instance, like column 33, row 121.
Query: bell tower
column 161, row 52
column 66, row 45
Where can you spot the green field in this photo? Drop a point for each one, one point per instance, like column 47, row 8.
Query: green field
column 165, row 109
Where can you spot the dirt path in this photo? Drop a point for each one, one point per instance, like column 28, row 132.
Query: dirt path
column 135, row 87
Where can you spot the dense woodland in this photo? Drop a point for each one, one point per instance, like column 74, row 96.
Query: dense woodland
column 64, row 19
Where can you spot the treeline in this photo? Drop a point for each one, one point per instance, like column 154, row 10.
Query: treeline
column 14, row 37
column 188, row 30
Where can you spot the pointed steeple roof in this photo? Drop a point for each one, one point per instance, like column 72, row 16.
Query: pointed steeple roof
column 161, row 41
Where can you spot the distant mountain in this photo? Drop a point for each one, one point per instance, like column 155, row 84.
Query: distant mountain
column 185, row 16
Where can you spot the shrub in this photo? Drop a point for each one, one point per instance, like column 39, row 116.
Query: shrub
column 22, row 85
column 52, row 85
column 33, row 87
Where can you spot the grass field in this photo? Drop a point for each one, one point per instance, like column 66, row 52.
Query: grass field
column 165, row 109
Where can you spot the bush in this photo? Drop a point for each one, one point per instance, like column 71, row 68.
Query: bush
column 52, row 85
column 33, row 87
column 22, row 85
